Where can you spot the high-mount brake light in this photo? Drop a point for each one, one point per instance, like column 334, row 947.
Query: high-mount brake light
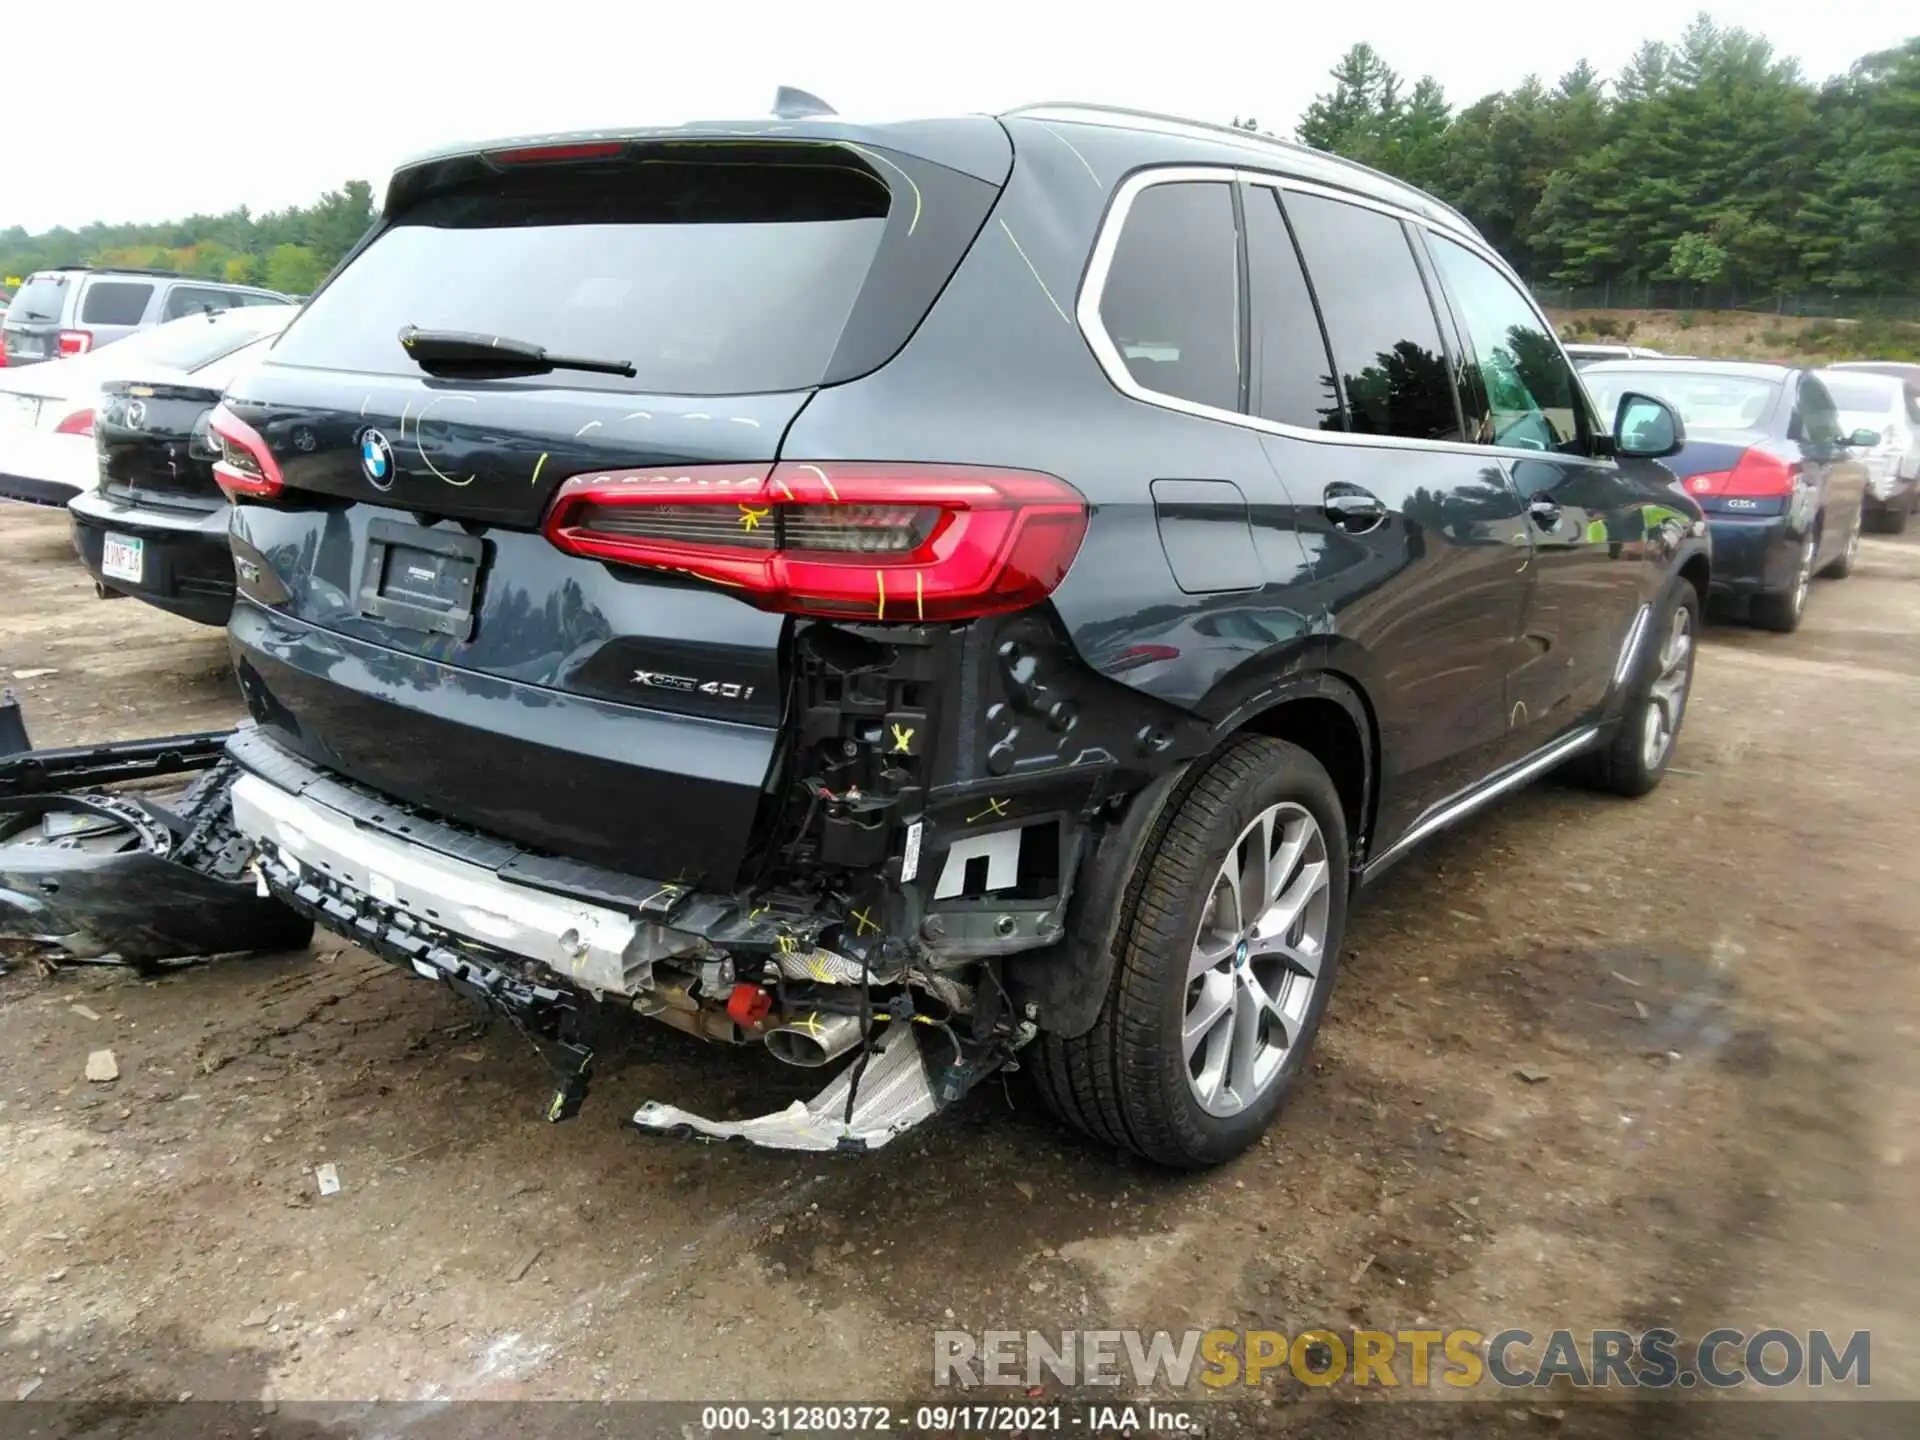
column 74, row 342
column 1757, row 475
column 246, row 469
column 841, row 539
column 552, row 154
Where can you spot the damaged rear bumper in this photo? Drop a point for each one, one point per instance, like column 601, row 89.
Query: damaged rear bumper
column 540, row 941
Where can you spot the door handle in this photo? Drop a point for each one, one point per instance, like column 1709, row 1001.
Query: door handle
column 1545, row 513
column 1353, row 509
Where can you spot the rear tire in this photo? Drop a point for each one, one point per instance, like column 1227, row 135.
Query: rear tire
column 1782, row 610
column 1638, row 755
column 1197, row 976
column 1893, row 519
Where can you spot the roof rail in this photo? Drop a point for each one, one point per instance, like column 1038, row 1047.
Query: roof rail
column 136, row 270
column 1127, row 112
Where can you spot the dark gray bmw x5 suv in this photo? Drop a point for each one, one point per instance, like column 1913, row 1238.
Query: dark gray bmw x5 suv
column 914, row 596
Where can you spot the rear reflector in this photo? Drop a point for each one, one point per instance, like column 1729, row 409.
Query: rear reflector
column 80, row 422
column 75, row 342
column 1757, row 475
column 851, row 540
column 246, row 469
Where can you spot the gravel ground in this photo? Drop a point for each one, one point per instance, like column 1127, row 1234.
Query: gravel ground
column 1711, row 992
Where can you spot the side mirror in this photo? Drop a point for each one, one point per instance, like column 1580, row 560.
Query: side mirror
column 1647, row 429
column 1864, row 439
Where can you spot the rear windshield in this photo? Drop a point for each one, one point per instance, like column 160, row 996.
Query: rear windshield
column 1705, row 402
column 189, row 343
column 39, row 300
column 708, row 278
column 1858, row 393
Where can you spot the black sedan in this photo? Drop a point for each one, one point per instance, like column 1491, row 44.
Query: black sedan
column 156, row 528
column 1767, row 460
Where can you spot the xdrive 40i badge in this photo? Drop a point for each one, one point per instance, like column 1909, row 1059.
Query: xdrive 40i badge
column 687, row 685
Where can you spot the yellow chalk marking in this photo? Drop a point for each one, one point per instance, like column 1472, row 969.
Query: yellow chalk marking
column 538, row 466
column 783, row 488
column 919, row 595
column 902, row 740
column 785, row 944
column 863, row 922
column 750, row 517
column 880, row 579
column 832, row 493
column 810, row 1024
column 1035, row 273
column 994, row 808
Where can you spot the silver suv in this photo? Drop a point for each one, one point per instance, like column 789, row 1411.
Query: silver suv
column 66, row 312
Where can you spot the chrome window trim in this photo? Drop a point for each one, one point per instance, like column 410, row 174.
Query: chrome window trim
column 1093, row 331
column 1268, row 149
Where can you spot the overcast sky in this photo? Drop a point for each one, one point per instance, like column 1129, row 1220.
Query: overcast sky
column 154, row 112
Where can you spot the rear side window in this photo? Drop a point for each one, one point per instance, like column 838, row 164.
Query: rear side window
column 744, row 272
column 1293, row 377
column 1380, row 322
column 195, row 300
column 1171, row 302
column 1528, row 383
column 114, row 302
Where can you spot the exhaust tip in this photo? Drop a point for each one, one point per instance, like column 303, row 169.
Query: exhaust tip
column 797, row 1048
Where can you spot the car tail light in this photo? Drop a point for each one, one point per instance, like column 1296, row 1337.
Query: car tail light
column 851, row 540
column 75, row 342
column 246, row 469
column 1757, row 475
column 80, row 422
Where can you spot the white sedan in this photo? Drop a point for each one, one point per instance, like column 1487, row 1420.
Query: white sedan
column 46, row 411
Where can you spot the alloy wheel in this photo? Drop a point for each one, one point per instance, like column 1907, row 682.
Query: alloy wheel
column 1257, row 959
column 1667, row 700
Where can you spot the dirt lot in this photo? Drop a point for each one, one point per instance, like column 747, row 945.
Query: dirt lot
column 1713, row 992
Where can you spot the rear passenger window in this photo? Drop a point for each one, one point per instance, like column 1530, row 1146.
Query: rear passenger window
column 195, row 300
column 114, row 302
column 1171, row 304
column 1386, row 342
column 1531, row 396
column 1292, row 374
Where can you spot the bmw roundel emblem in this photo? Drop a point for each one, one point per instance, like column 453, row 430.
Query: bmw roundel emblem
column 376, row 458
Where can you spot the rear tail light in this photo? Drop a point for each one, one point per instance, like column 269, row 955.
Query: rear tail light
column 75, row 342
column 1757, row 475
column 80, row 422
column 865, row 541
column 246, row 469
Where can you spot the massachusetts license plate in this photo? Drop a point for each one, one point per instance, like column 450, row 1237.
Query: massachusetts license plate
column 121, row 558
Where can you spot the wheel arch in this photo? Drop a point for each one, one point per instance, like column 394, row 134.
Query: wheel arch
column 1325, row 712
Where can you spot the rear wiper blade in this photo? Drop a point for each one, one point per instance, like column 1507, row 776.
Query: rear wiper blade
column 462, row 352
